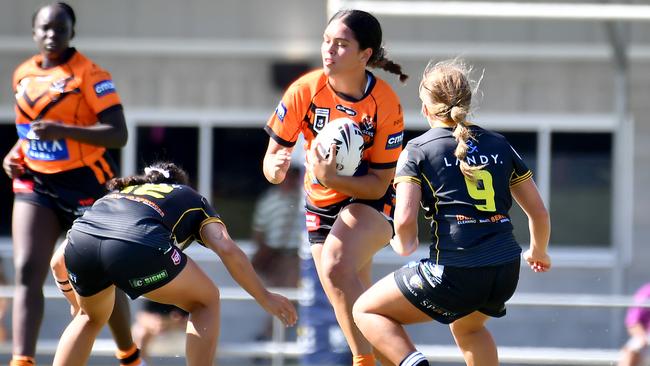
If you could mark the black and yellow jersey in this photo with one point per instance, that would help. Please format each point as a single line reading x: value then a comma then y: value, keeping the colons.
x: 156, y: 215
x: 470, y: 222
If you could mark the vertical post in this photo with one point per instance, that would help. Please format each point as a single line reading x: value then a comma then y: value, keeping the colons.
x: 204, y: 184
x: 622, y: 168
x: 544, y: 163
x: 128, y: 165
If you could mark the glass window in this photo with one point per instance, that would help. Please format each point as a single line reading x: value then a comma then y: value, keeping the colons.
x: 237, y: 176
x: 176, y: 144
x: 581, y: 189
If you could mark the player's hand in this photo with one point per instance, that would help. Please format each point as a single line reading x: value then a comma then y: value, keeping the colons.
x: 538, y: 262
x: 402, y: 248
x: 13, y: 165
x: 279, y: 306
x: 47, y: 130
x: 321, y: 166
x: 277, y: 165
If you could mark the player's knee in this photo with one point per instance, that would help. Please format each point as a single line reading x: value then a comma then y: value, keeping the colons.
x: 359, y: 310
x: 208, y: 298
x: 338, y: 273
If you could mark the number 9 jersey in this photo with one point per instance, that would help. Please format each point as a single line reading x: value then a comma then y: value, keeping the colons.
x: 470, y: 223
x: 155, y: 215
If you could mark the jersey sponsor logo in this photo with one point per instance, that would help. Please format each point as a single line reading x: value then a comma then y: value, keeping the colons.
x: 148, y: 280
x: 473, y: 160
x: 313, y: 221
x: 321, y: 117
x: 281, y: 111
x: 48, y: 150
x: 346, y: 110
x: 104, y: 87
x: 395, y: 140
x: 23, y: 185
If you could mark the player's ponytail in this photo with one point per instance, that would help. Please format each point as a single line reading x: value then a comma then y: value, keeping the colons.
x: 446, y: 92
x: 156, y: 173
x: 367, y: 32
x: 387, y: 65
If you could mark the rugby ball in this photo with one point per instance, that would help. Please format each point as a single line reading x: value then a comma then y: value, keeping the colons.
x: 346, y: 135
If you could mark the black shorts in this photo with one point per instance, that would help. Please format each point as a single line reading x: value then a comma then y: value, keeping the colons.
x: 321, y: 219
x: 449, y: 293
x: 69, y: 194
x: 95, y: 263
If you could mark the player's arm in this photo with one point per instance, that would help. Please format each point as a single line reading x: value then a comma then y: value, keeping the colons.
x: 111, y: 132
x: 370, y: 186
x: 407, y: 205
x: 539, y: 224
x: 276, y: 162
x: 215, y: 236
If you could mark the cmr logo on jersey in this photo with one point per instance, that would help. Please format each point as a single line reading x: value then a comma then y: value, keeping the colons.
x: 104, y: 87
x: 395, y: 140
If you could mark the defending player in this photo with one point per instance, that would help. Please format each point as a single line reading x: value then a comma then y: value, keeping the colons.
x: 133, y: 239
x: 465, y: 178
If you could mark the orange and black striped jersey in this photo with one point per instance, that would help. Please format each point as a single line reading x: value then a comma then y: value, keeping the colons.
x: 73, y: 93
x: 310, y: 103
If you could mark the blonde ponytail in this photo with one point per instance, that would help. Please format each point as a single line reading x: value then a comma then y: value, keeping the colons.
x: 446, y: 92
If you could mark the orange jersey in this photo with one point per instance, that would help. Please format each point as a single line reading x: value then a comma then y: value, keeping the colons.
x: 73, y: 93
x: 310, y: 103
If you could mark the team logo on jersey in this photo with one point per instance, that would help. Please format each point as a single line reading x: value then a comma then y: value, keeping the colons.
x: 104, y: 87
x: 395, y: 140
x: 281, y: 111
x: 471, y: 148
x: 176, y: 257
x: 416, y: 282
x: 346, y: 110
x: 368, y: 128
x: 59, y: 86
x: 321, y: 117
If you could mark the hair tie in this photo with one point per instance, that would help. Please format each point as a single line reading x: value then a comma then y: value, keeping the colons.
x: 162, y: 171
